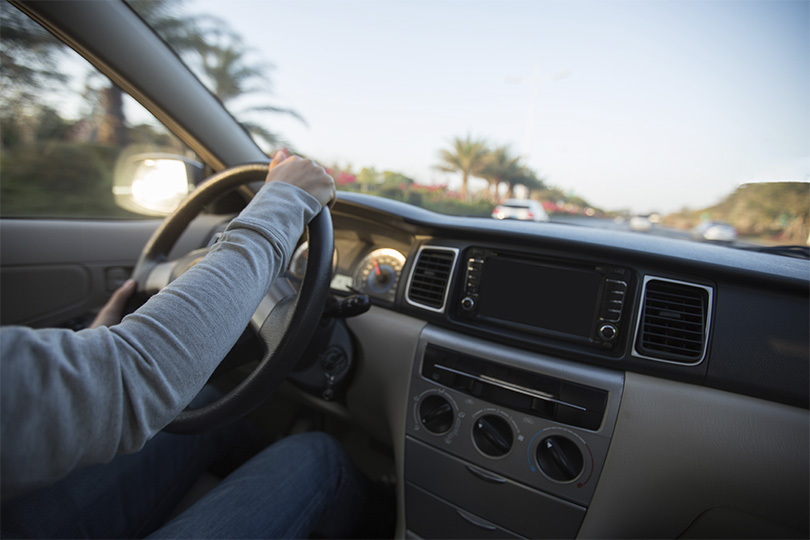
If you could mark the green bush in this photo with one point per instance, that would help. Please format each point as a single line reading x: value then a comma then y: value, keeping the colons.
x: 59, y: 179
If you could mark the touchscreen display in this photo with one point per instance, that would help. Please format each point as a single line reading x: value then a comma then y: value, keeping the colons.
x: 541, y: 296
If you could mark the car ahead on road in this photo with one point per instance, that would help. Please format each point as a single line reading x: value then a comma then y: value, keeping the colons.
x: 522, y: 209
x: 641, y: 223
x: 714, y: 231
x: 510, y: 381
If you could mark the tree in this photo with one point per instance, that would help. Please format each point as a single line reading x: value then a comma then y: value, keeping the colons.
x: 525, y: 177
x: 226, y: 66
x: 368, y: 177
x: 396, y: 179
x: 28, y: 54
x: 219, y: 55
x: 501, y: 166
x: 467, y: 156
x: 28, y: 65
x: 181, y: 32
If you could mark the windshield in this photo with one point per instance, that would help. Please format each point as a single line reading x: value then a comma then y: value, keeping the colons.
x: 680, y: 112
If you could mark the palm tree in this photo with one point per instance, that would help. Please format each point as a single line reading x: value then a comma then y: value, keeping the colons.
x: 501, y: 166
x: 467, y: 156
x: 226, y: 66
x: 180, y: 32
x: 211, y: 45
x: 523, y: 176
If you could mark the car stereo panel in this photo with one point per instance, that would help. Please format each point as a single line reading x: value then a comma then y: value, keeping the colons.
x: 572, y: 301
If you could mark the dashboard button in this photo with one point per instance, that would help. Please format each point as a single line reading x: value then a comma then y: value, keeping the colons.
x: 608, y: 332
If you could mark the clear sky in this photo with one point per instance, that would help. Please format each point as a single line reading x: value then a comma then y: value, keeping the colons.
x: 644, y: 105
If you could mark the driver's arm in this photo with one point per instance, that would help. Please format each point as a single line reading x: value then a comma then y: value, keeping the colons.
x: 71, y: 399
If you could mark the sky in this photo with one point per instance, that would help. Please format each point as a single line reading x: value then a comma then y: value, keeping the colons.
x: 638, y: 105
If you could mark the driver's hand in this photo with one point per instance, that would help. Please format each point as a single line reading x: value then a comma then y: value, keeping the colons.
x: 113, y: 310
x: 303, y: 173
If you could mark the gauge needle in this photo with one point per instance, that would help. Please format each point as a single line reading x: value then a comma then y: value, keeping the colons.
x: 376, y: 266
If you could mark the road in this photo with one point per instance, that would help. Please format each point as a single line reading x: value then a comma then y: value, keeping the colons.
x: 603, y: 223
x: 624, y: 225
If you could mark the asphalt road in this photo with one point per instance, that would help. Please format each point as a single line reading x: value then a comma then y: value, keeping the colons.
x: 624, y: 225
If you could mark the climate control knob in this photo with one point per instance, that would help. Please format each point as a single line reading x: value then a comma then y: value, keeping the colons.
x: 560, y: 458
x: 436, y: 414
x: 493, y: 435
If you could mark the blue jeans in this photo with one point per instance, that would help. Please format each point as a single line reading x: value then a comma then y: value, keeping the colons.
x: 302, y: 485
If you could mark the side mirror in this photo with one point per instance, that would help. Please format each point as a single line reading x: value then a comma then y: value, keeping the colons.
x: 154, y: 184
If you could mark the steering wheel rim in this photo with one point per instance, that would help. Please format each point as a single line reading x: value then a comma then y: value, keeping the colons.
x: 285, y: 333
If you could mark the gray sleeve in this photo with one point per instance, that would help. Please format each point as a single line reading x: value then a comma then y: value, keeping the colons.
x: 70, y: 399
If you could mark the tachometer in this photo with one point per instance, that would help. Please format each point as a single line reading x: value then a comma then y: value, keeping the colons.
x: 378, y: 273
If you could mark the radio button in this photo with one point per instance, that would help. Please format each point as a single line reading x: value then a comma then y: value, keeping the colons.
x: 468, y: 303
x: 608, y: 332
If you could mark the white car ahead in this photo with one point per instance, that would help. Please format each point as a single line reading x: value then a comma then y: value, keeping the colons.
x: 523, y: 209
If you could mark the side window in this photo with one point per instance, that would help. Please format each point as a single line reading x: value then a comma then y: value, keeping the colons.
x: 65, y: 129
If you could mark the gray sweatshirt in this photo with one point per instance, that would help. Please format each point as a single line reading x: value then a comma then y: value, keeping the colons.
x: 70, y: 399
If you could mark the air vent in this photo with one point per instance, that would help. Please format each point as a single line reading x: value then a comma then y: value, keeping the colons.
x: 431, y: 276
x: 673, y: 325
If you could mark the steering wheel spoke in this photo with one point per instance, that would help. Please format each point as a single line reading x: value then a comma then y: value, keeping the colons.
x: 159, y: 276
x: 280, y: 290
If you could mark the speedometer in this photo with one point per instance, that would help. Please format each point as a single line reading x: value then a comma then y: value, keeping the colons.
x: 378, y: 273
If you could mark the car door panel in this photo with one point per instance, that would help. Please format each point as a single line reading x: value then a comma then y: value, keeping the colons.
x: 53, y: 271
x: 56, y: 270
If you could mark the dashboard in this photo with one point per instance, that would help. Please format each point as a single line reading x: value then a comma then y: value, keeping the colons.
x: 672, y: 308
x: 524, y: 347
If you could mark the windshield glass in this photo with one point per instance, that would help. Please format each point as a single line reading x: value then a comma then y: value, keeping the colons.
x: 672, y: 113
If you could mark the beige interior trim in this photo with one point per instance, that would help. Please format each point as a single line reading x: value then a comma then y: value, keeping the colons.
x: 378, y: 395
x: 680, y: 450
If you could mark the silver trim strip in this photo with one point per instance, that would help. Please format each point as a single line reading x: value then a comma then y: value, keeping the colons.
x: 709, y: 291
x: 449, y: 278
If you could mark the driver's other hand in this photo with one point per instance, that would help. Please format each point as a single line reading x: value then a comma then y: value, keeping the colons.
x: 113, y: 310
x: 304, y: 173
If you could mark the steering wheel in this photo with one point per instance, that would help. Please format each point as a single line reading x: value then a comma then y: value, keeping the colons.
x: 284, y: 321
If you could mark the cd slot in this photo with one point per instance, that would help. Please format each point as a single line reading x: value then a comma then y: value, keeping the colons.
x: 514, y: 387
x: 531, y: 393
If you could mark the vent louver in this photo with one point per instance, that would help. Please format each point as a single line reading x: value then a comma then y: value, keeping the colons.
x: 673, y: 323
x: 430, y: 278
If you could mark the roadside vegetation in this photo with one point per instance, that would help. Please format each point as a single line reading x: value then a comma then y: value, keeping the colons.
x: 60, y: 164
x: 505, y: 174
x: 771, y: 213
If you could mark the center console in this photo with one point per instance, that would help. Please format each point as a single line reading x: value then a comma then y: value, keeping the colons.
x: 502, y: 442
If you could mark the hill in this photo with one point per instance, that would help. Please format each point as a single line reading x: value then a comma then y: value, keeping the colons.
x: 775, y: 212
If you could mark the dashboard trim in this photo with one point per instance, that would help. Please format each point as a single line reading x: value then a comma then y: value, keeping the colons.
x: 415, y: 264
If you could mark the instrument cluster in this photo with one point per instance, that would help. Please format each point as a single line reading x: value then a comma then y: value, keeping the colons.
x: 376, y: 273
